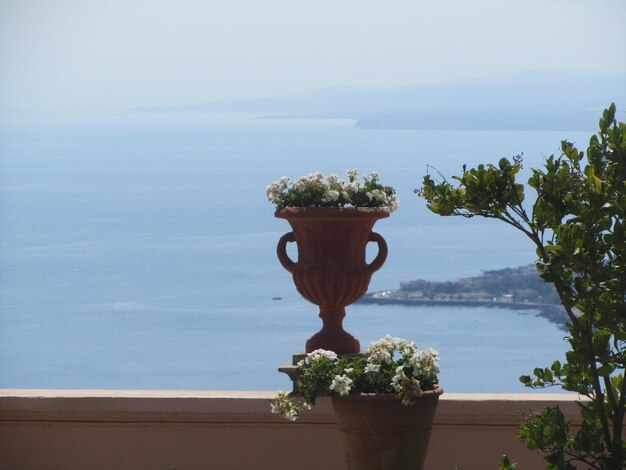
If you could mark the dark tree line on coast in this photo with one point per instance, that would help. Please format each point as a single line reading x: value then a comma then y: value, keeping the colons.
x: 522, y: 284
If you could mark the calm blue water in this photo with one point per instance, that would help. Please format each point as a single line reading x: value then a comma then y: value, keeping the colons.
x: 139, y: 252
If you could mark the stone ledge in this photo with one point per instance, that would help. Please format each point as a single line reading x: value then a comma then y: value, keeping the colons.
x: 221, y: 406
x: 190, y: 429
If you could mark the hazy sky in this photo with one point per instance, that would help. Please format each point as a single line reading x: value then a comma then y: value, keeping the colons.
x: 77, y: 55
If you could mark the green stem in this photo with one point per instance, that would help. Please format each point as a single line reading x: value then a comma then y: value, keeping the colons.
x: 588, y: 351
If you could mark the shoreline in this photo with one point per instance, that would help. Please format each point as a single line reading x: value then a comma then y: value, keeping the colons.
x: 553, y: 313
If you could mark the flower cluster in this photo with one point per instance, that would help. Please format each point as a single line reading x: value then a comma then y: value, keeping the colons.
x: 317, y: 190
x: 390, y: 365
x: 414, y: 370
x: 319, y: 355
x: 287, y: 407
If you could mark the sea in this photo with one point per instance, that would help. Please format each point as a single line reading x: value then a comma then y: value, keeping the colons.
x: 138, y: 251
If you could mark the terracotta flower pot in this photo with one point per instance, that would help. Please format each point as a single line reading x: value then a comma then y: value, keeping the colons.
x: 331, y: 270
x: 379, y: 433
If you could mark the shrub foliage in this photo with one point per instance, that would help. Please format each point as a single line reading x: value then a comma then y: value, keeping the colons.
x: 577, y: 222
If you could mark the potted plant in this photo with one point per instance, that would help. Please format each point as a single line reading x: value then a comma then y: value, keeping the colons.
x: 332, y: 220
x: 385, y: 400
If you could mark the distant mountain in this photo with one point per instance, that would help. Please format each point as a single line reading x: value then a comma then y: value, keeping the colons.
x: 555, y: 101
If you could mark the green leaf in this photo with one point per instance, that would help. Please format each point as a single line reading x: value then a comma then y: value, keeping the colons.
x: 576, y: 224
x: 606, y: 370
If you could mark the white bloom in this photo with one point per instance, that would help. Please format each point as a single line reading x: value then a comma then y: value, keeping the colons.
x: 320, y: 354
x: 379, y: 355
x: 431, y: 352
x: 392, y: 343
x: 379, y: 195
x: 413, y: 360
x: 372, y: 368
x: 428, y: 361
x: 301, y: 184
x: 341, y: 384
x: 332, y: 179
x: 273, y: 191
x: 282, y: 405
x: 381, y: 351
x: 408, y: 388
x: 326, y: 190
x: 277, y: 187
x: 330, y: 196
x: 404, y: 346
x: 393, y: 203
x: 399, y: 377
x: 372, y: 176
x: 352, y: 187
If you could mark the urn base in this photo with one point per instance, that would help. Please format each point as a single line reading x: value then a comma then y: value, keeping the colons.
x: 340, y: 342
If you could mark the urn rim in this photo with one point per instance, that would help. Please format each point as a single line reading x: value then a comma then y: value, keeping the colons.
x: 332, y: 212
x: 434, y: 393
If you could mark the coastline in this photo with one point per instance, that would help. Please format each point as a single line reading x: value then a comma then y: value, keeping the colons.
x: 553, y: 313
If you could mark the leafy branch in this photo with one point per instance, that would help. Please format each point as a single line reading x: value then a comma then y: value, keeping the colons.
x: 577, y: 224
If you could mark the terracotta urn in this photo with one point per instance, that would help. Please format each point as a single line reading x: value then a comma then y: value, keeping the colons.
x: 331, y: 270
x: 379, y: 433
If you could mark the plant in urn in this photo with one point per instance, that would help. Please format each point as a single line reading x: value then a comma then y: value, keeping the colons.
x: 332, y: 221
x: 385, y: 401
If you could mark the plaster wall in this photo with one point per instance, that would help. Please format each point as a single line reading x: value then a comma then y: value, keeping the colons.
x: 185, y: 430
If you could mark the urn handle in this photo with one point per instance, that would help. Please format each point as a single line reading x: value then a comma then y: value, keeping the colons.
x: 281, y: 251
x: 382, y: 251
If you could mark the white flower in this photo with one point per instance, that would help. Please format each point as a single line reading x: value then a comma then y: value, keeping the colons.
x: 393, y: 203
x: 352, y: 187
x: 341, y: 384
x: 379, y: 195
x: 330, y: 190
x: 413, y: 360
x: 273, y: 190
x: 332, y: 179
x: 399, y: 377
x: 300, y: 185
x: 411, y: 369
x: 371, y: 176
x: 408, y: 388
x: 330, y: 196
x: 379, y: 355
x: 318, y: 355
x: 428, y: 361
x: 386, y: 341
x: 277, y: 187
x: 285, y: 407
x: 381, y: 351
